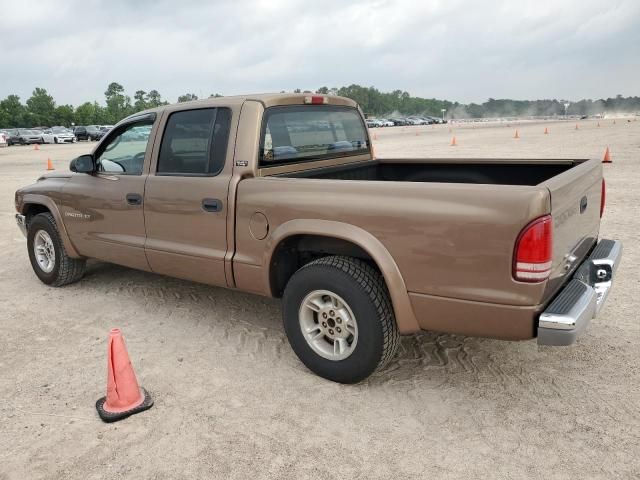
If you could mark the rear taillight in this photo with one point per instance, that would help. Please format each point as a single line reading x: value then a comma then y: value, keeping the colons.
x: 534, y: 251
x: 603, y: 198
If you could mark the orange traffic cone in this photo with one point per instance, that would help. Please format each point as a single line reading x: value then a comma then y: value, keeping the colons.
x: 124, y: 396
x: 607, y: 156
x: 453, y: 141
x: 50, y: 164
x: 516, y: 135
x: 546, y: 131
x: 36, y: 146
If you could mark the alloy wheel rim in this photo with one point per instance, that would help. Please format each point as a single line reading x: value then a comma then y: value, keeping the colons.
x: 328, y: 325
x: 44, y: 251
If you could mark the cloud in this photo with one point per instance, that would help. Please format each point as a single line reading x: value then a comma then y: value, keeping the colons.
x: 458, y: 50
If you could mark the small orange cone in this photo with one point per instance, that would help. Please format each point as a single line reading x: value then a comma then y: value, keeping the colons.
x: 607, y: 156
x: 50, y: 164
x: 453, y: 141
x: 516, y: 135
x: 546, y: 131
x: 577, y: 128
x: 36, y: 146
x: 124, y: 396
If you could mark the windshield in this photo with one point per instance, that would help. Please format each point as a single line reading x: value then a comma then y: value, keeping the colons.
x: 303, y: 133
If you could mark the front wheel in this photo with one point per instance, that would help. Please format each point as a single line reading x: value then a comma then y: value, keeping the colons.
x: 339, y: 319
x: 48, y: 257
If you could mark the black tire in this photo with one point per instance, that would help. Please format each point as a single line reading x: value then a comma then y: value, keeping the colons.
x: 364, y: 290
x: 66, y: 269
x: 55, y: 139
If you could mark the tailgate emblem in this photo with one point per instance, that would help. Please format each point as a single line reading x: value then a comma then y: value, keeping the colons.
x: 583, y: 204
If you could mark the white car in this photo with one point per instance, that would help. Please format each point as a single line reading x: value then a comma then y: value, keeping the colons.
x: 386, y: 123
x: 58, y: 135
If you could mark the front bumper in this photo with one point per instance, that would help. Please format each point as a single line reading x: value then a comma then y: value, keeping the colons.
x: 22, y: 223
x: 568, y: 315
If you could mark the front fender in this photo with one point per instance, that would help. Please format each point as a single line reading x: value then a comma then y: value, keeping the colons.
x: 37, y: 199
x: 405, y: 317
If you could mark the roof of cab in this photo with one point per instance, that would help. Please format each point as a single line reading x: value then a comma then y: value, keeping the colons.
x: 267, y: 99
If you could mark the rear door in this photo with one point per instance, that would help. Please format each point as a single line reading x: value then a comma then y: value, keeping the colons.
x: 186, y: 196
x: 575, y: 208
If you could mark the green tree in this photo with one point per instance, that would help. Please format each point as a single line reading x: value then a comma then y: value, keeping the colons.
x: 85, y: 114
x: 118, y: 104
x: 40, y: 107
x: 140, y: 101
x: 63, y: 115
x: 187, y: 97
x: 154, y: 99
x: 14, y: 112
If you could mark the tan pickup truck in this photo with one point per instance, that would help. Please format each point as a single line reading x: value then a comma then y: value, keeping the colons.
x: 281, y: 195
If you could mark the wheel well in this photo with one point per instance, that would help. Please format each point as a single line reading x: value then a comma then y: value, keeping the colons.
x: 298, y: 250
x: 32, y: 209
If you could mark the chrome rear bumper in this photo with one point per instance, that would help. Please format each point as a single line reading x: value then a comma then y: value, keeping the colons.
x: 581, y: 299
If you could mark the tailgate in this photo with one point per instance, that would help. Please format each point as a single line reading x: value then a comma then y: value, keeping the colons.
x: 575, y: 207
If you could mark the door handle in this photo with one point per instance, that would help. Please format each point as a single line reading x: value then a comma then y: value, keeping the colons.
x: 212, y: 204
x: 134, y: 199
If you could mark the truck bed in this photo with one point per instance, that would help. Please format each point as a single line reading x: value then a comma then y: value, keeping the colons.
x: 489, y: 171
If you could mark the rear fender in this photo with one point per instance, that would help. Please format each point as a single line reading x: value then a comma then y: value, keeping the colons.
x: 405, y: 318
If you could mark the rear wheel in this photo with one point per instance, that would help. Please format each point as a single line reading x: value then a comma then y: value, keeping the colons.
x: 339, y: 319
x: 48, y: 257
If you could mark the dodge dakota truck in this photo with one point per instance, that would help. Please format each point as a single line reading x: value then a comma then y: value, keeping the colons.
x: 281, y: 195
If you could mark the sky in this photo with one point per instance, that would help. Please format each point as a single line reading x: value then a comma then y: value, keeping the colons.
x: 466, y: 51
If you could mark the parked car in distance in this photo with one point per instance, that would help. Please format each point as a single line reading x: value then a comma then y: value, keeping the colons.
x: 399, y: 122
x: 25, y: 136
x: 386, y: 123
x: 4, y: 139
x: 80, y: 133
x: 224, y: 191
x: 58, y: 135
x: 90, y: 132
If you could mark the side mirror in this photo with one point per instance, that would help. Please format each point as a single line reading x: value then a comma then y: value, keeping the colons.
x: 83, y: 164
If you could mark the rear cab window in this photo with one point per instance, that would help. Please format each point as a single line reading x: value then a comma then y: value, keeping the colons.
x: 303, y: 133
x: 195, y: 142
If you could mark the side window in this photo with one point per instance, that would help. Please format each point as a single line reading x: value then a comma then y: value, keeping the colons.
x: 124, y: 151
x: 195, y: 142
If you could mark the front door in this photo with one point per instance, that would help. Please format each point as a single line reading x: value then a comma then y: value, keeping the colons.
x: 185, y: 205
x: 103, y: 212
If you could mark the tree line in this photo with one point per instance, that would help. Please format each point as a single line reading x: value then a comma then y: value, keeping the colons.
x: 41, y: 109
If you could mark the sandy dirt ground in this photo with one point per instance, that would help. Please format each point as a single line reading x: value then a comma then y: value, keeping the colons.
x: 233, y: 401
